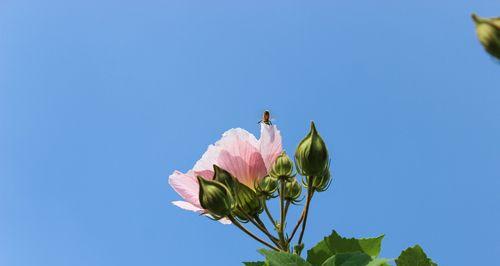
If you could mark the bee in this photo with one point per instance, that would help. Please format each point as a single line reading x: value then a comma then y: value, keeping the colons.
x: 266, y: 118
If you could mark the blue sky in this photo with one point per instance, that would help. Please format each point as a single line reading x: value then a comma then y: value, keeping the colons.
x: 101, y: 100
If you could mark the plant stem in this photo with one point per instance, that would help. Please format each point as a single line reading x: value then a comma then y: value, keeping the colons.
x: 299, y: 222
x: 281, y: 231
x: 258, y: 223
x: 237, y: 224
x: 268, y: 212
x: 310, y: 192
x: 287, y: 205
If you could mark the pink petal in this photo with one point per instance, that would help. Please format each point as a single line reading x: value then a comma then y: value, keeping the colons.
x: 269, y: 144
x: 186, y: 185
x: 190, y: 207
x: 237, y: 152
x: 208, y: 159
x: 244, y: 161
x: 230, y: 136
x: 187, y: 206
x: 225, y: 221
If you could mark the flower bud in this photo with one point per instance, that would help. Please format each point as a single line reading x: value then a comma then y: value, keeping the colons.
x: 322, y: 182
x: 488, y: 32
x: 311, y: 156
x: 266, y: 187
x: 224, y: 177
x: 293, y: 189
x: 215, y: 198
x: 282, y: 167
x: 247, y: 203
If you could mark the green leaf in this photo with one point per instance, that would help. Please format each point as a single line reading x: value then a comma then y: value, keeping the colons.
x: 335, y: 244
x: 254, y: 263
x: 379, y: 262
x: 274, y: 258
x: 414, y: 256
x: 348, y: 259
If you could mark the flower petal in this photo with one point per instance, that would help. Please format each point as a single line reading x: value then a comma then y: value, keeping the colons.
x: 237, y: 152
x: 230, y: 136
x: 225, y: 221
x: 190, y: 207
x: 187, y: 206
x: 269, y: 144
x: 243, y: 161
x: 209, y: 158
x: 186, y: 185
x: 228, y: 141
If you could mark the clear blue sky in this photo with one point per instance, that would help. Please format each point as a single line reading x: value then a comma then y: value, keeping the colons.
x: 101, y: 100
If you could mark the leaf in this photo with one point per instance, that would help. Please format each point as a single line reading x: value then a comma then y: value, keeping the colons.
x: 274, y: 258
x: 348, y: 259
x: 379, y: 262
x: 254, y: 263
x: 414, y: 256
x: 335, y: 244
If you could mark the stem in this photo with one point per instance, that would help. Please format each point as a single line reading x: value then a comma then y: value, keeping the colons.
x: 237, y: 224
x: 268, y: 212
x: 287, y: 205
x: 281, y: 230
x: 296, y: 227
x: 258, y: 223
x: 258, y: 220
x: 310, y: 192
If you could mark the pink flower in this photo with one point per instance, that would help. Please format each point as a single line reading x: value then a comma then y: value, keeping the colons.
x: 239, y: 153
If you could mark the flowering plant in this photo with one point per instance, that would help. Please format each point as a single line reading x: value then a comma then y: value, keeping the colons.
x: 237, y: 176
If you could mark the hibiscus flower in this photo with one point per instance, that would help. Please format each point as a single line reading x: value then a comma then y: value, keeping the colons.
x: 238, y: 152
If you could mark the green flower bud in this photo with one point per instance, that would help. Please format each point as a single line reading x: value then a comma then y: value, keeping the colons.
x: 247, y: 203
x: 322, y: 182
x: 488, y: 32
x: 293, y: 190
x: 282, y: 167
x: 266, y: 187
x: 215, y: 198
x: 311, y: 156
x: 226, y: 178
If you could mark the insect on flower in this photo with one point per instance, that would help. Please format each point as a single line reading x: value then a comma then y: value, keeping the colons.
x: 266, y: 118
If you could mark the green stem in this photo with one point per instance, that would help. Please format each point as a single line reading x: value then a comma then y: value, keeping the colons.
x: 299, y: 222
x: 281, y: 231
x: 310, y: 192
x: 258, y: 223
x: 268, y: 212
x: 237, y: 224
x: 287, y: 205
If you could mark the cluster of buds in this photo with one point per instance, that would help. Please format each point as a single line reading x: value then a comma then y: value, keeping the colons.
x: 488, y: 33
x: 282, y: 171
x: 266, y: 187
x: 225, y: 197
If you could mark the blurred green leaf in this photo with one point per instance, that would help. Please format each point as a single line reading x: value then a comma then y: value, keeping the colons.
x: 414, y: 256
x: 335, y: 244
x: 379, y: 262
x: 274, y: 258
x: 254, y: 263
x: 348, y: 259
